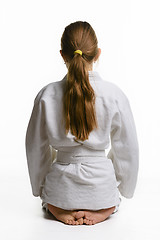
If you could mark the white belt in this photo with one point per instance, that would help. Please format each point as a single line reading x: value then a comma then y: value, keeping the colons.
x: 87, y: 156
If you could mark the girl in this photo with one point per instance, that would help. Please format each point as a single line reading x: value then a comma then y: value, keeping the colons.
x: 79, y: 117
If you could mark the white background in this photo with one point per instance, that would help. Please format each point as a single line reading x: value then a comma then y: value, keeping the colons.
x: 129, y: 36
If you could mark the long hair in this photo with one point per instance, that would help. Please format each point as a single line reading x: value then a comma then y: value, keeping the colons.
x: 79, y: 96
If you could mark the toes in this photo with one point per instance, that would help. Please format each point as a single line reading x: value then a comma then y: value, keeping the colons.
x: 73, y: 222
x: 70, y: 222
x: 80, y: 218
x: 80, y: 221
x: 93, y: 222
x: 89, y: 222
x: 79, y: 214
x: 85, y: 220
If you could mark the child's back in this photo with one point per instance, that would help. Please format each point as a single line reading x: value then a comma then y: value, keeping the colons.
x: 82, y: 177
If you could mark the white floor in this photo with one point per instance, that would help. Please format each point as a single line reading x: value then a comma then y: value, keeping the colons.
x: 23, y: 219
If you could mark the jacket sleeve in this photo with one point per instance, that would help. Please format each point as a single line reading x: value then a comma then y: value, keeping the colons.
x: 37, y: 148
x: 124, y: 151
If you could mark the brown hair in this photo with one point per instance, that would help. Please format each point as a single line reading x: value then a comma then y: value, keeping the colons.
x: 79, y: 97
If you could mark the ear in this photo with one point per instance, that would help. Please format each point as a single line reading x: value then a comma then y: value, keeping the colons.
x: 98, y: 54
x: 62, y: 55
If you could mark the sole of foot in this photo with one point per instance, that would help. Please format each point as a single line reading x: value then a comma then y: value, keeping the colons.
x: 66, y: 216
x: 80, y: 217
x: 93, y: 217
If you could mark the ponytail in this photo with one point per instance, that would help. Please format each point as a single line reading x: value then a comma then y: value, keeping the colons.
x: 79, y: 100
x: 79, y: 96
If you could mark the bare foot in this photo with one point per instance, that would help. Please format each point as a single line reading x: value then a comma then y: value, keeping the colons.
x: 79, y: 217
x: 66, y: 216
x: 93, y: 217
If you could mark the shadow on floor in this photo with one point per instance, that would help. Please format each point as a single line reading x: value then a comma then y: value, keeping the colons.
x: 47, y: 215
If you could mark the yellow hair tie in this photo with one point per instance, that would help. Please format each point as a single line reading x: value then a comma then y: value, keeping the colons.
x: 78, y: 51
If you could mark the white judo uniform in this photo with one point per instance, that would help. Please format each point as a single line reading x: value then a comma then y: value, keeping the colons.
x: 83, y: 176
